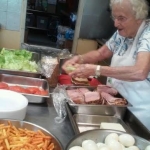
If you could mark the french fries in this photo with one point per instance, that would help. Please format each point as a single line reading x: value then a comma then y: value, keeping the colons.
x: 12, y: 138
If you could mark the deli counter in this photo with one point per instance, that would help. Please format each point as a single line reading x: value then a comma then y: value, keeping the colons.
x: 44, y: 115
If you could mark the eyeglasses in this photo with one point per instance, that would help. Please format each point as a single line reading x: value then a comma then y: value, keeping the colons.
x: 120, y: 18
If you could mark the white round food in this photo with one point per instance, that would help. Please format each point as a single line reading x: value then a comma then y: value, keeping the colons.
x: 148, y: 147
x: 134, y: 148
x: 89, y: 145
x: 111, y: 136
x: 114, y: 145
x: 126, y: 140
x: 13, y: 105
x: 105, y: 148
x: 76, y: 148
x: 100, y: 145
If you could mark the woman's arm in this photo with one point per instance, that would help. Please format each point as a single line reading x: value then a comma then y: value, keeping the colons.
x: 97, y: 55
x: 138, y: 72
x: 90, y: 57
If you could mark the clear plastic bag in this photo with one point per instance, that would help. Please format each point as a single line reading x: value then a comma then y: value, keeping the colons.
x: 59, y: 100
x: 47, y: 65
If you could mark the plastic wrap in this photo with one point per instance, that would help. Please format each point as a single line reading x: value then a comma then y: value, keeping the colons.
x: 42, y: 50
x: 47, y: 65
x: 59, y: 100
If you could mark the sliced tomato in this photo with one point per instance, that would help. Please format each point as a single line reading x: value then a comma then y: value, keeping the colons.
x: 4, y: 85
x: 17, y: 89
x: 44, y: 92
x: 27, y: 91
x: 38, y: 92
x: 33, y: 90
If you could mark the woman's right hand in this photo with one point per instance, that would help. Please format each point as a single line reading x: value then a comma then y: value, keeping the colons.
x: 71, y: 62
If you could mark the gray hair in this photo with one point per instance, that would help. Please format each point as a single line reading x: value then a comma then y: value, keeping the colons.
x: 139, y: 7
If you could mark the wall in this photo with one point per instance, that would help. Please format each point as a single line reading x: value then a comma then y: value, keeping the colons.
x: 96, y: 21
x: 93, y: 21
x: 12, y: 21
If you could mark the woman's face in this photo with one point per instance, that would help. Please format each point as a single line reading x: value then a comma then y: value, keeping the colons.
x: 124, y: 19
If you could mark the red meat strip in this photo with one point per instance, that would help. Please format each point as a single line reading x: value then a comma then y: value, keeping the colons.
x: 111, y: 100
x: 83, y: 90
x: 107, y: 89
x: 76, y: 96
x: 92, y: 98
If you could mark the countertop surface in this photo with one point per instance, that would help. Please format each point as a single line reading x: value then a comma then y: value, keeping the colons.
x: 44, y: 115
x: 143, y: 115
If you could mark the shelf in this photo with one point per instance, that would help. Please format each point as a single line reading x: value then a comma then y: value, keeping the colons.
x: 39, y: 11
x: 35, y: 28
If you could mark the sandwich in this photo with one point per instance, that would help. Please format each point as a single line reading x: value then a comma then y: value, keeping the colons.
x: 80, y: 81
x: 70, y: 68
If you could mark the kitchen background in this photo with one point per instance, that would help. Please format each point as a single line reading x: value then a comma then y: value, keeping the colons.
x: 21, y: 19
x: 36, y: 22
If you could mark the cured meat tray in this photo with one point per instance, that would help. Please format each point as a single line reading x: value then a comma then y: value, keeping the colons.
x: 97, y: 109
x: 26, y: 82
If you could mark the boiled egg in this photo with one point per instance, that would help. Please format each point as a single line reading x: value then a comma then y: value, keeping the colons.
x: 148, y: 147
x: 114, y: 145
x: 76, y: 148
x: 133, y: 148
x: 100, y: 145
x: 122, y: 146
x: 105, y: 148
x: 111, y: 136
x: 126, y: 140
x: 89, y: 145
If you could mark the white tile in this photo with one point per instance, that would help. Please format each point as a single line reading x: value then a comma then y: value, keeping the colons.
x: 3, y: 5
x: 14, y: 5
x: 13, y: 21
x: 3, y: 19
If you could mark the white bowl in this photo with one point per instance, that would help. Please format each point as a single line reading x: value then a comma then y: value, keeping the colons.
x: 13, y: 105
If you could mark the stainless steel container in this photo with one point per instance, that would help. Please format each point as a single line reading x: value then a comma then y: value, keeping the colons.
x: 35, y: 57
x: 98, y: 135
x: 27, y: 82
x: 106, y: 110
x: 90, y: 122
x: 33, y: 127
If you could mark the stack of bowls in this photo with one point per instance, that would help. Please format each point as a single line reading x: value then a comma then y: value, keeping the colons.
x: 13, y: 105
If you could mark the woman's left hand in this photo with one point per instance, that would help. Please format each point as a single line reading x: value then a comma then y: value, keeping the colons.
x: 83, y: 70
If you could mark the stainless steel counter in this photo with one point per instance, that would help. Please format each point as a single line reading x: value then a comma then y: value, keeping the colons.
x: 43, y: 115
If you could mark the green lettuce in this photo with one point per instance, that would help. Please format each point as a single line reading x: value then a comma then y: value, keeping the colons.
x: 17, y: 60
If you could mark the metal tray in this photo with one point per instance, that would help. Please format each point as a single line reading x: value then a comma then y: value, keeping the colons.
x: 27, y: 82
x: 90, y: 122
x: 108, y: 110
x: 130, y: 122
x: 98, y: 135
x: 35, y: 57
x: 34, y: 127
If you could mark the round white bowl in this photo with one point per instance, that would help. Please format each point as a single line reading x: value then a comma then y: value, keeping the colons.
x: 13, y: 105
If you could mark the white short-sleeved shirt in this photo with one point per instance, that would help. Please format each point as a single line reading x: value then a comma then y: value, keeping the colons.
x: 117, y: 40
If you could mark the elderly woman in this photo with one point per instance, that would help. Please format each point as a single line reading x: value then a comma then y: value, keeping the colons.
x: 129, y: 48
